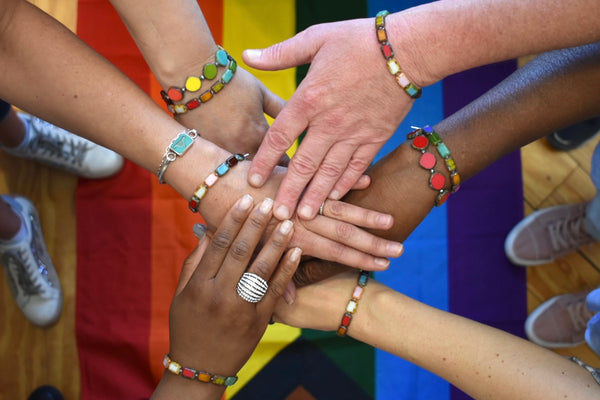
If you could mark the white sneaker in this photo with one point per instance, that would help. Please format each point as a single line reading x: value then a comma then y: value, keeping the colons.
x: 51, y: 145
x: 31, y: 276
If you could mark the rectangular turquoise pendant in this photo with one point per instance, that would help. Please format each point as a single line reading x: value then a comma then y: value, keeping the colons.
x: 181, y: 143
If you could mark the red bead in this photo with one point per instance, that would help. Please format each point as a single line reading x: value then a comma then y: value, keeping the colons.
x: 437, y: 181
x: 420, y: 142
x: 194, y: 205
x: 188, y: 373
x: 175, y: 94
x: 427, y: 160
x: 441, y: 198
x: 346, y: 319
x: 387, y: 51
x: 192, y: 104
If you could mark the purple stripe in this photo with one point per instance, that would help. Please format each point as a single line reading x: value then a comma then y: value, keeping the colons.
x: 483, y: 284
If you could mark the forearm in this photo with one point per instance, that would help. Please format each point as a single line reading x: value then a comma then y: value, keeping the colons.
x: 437, y: 39
x: 480, y: 360
x: 172, y: 387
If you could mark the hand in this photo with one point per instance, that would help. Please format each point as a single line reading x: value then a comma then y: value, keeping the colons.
x: 349, y: 105
x: 211, y: 327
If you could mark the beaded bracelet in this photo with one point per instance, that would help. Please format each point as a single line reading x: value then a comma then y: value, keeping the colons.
x: 388, y: 53
x: 182, y: 142
x: 201, y: 376
x: 444, y: 152
x: 363, y: 277
x: 211, y: 179
x: 194, y: 83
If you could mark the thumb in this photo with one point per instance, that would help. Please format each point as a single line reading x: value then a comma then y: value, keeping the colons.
x: 295, y: 51
x: 272, y: 104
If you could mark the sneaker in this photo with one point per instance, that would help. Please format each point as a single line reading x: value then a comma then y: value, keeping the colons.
x: 574, y: 136
x: 547, y: 234
x: 31, y: 276
x: 560, y: 321
x: 51, y: 145
x: 46, y: 392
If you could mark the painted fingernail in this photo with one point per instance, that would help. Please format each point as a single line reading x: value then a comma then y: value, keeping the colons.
x: 286, y: 226
x: 382, y: 262
x: 395, y: 248
x: 305, y: 212
x: 252, y: 54
x: 335, y: 195
x: 245, y: 202
x: 282, y: 212
x: 266, y: 206
x: 256, y: 180
x: 199, y: 230
x: 295, y: 254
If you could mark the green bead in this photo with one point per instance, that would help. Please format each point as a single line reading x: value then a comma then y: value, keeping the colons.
x: 413, y: 91
x: 443, y: 150
x: 210, y: 71
x: 230, y: 380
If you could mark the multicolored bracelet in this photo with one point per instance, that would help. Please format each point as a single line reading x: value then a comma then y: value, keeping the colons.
x: 420, y: 139
x: 388, y: 53
x: 211, y: 179
x: 182, y: 142
x: 201, y: 376
x: 363, y: 278
x: 194, y: 84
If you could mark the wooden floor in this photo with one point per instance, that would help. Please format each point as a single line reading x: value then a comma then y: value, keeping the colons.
x: 33, y: 357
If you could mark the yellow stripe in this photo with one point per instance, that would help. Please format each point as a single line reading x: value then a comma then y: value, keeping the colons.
x: 255, y: 25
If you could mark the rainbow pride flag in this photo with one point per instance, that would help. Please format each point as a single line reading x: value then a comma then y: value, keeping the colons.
x: 133, y: 235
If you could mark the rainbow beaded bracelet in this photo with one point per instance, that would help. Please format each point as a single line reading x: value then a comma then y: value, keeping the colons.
x: 363, y: 278
x: 194, y: 84
x: 211, y: 179
x: 192, y: 374
x: 388, y: 53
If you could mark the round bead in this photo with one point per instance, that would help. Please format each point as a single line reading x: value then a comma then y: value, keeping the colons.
x: 420, y: 142
x: 427, y: 160
x: 221, y: 57
x: 193, y: 83
x: 175, y: 94
x: 437, y: 181
x: 210, y: 71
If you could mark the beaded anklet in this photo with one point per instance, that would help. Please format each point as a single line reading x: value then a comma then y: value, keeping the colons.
x: 211, y: 179
x: 388, y: 53
x: 201, y: 376
x: 363, y: 278
x: 182, y: 142
x: 194, y: 84
x: 420, y: 139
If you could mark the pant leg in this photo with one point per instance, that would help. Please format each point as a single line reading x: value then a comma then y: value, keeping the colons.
x: 4, y: 109
x: 592, y: 219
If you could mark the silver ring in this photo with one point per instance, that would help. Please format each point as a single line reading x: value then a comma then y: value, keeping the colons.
x: 252, y: 287
x: 321, y: 208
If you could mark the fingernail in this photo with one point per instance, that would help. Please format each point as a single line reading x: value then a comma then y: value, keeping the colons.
x: 199, y: 230
x: 396, y: 248
x: 266, y: 206
x: 245, y: 202
x: 384, y: 220
x: 286, y: 226
x: 335, y: 195
x: 282, y: 212
x: 287, y: 296
x: 306, y: 212
x: 252, y: 54
x: 256, y: 180
x: 382, y: 262
x: 295, y: 254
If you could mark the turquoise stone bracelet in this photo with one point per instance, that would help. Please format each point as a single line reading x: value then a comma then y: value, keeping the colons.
x: 182, y: 142
x: 393, y: 66
x: 194, y: 84
x: 192, y: 374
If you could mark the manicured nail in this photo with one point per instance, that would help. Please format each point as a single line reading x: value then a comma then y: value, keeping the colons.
x: 253, y: 54
x: 335, y: 195
x: 396, y: 248
x: 266, y: 206
x: 256, y: 180
x: 384, y: 220
x: 199, y: 231
x: 282, y: 212
x: 382, y: 262
x: 295, y: 254
x: 286, y: 226
x: 306, y: 212
x: 245, y: 202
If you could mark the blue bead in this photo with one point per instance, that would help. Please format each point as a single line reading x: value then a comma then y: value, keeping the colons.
x: 221, y: 57
x: 222, y: 169
x: 227, y: 75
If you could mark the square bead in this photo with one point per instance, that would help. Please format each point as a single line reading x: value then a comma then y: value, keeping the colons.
x: 204, y: 377
x: 455, y: 178
x: 218, y: 380
x: 166, y: 361
x: 216, y: 88
x: 194, y: 103
x: 222, y: 169
x: 230, y: 380
x: 201, y: 191
x: 387, y: 51
x: 379, y: 21
x: 188, y: 373
x: 342, y: 330
x: 358, y: 291
x: 227, y: 75
x: 174, y: 367
x: 363, y: 278
x: 393, y: 66
x: 211, y: 179
x: 179, y: 109
x: 382, y: 35
x: 346, y: 319
x: 233, y: 65
x: 232, y: 161
x: 193, y: 204
x: 413, y: 91
x: 451, y: 164
x: 181, y: 143
x: 402, y: 80
x: 435, y: 138
x: 444, y: 151
x: 351, y: 307
x: 206, y: 96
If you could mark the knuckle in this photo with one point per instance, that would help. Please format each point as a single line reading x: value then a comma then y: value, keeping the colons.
x: 240, y: 249
x: 303, y: 165
x: 276, y: 289
x: 277, y: 140
x: 358, y: 164
x: 336, y: 209
x: 344, y: 231
x: 261, y: 268
x: 220, y: 241
x: 330, y: 170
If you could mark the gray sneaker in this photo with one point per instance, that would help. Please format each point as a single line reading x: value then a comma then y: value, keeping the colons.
x: 547, y: 234
x: 31, y: 276
x: 51, y: 145
x: 560, y: 321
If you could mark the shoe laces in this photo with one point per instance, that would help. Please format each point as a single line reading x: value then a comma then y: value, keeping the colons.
x: 47, y: 141
x: 568, y: 233
x: 579, y: 314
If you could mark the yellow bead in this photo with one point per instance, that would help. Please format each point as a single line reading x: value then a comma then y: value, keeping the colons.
x: 193, y: 83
